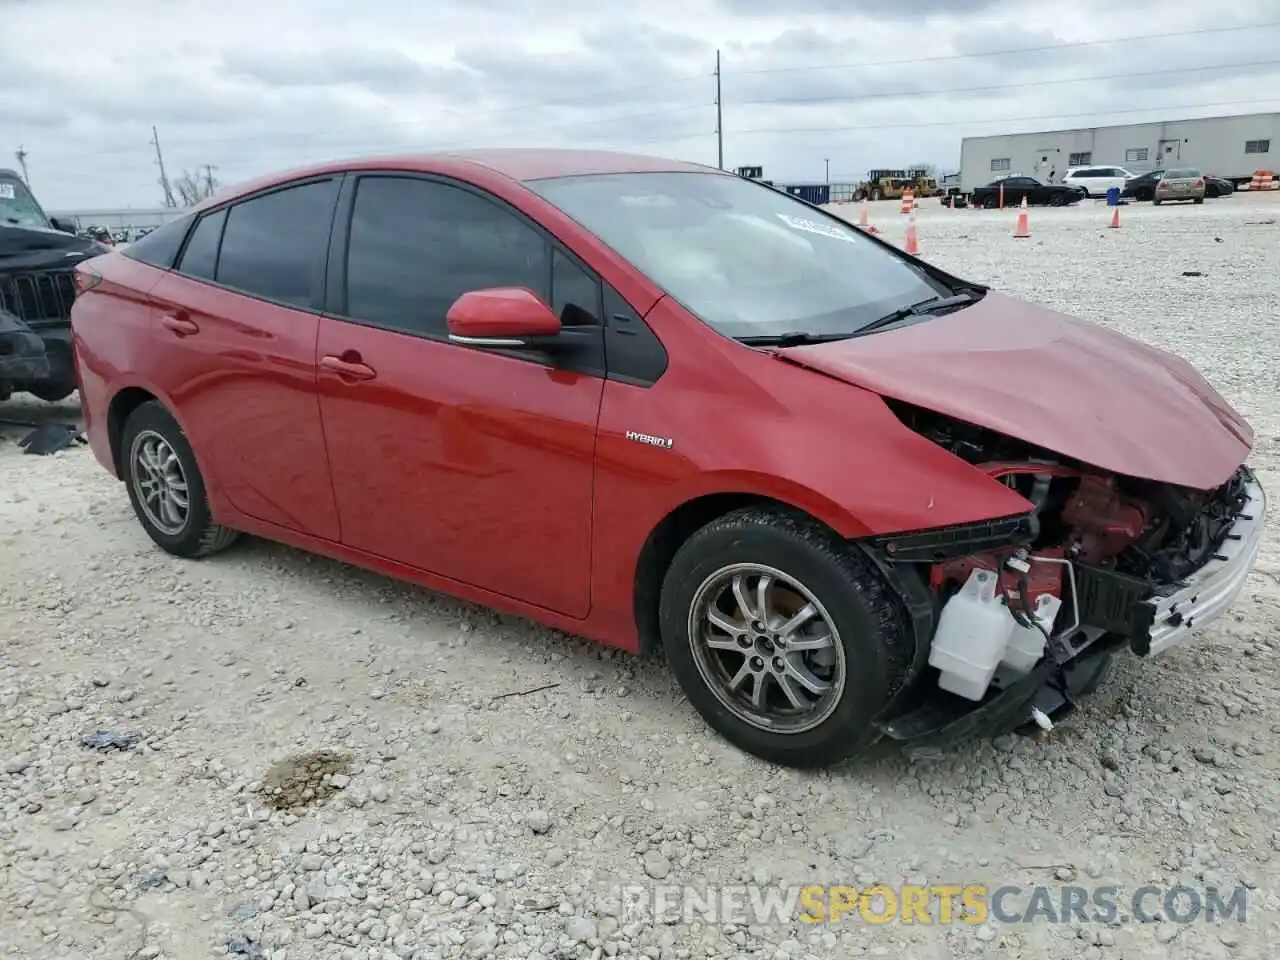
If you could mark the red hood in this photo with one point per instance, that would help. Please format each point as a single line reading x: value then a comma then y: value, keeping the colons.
x: 1066, y: 385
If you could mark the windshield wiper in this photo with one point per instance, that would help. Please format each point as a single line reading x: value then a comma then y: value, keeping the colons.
x: 794, y: 338
x: 924, y: 308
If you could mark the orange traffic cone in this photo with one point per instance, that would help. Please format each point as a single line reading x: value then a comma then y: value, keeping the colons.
x: 1115, y: 218
x: 1022, y: 230
x: 913, y: 242
x: 864, y: 221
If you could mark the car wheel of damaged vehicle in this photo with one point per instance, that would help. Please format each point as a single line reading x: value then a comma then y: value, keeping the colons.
x: 785, y: 639
x: 165, y: 486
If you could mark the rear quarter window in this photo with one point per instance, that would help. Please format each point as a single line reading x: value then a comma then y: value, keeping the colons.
x: 160, y: 247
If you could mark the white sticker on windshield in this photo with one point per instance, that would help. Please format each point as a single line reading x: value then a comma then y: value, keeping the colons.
x: 6, y: 191
x: 821, y: 229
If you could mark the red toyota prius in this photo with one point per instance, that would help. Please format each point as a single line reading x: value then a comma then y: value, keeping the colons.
x: 847, y: 494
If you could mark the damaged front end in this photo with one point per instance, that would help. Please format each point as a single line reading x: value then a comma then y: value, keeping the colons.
x: 1014, y: 617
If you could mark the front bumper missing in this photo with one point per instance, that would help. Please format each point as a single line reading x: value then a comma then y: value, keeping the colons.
x: 1210, y: 591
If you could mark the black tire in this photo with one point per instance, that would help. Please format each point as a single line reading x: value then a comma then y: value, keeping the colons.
x: 1085, y: 678
x: 991, y: 203
x: 868, y: 619
x: 1197, y: 200
x: 1057, y: 199
x: 198, y: 535
x: 51, y: 391
x: 877, y: 194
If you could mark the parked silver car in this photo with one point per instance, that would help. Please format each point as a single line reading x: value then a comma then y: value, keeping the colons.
x: 1183, y: 183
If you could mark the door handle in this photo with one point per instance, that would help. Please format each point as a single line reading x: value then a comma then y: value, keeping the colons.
x: 348, y: 369
x: 179, y: 325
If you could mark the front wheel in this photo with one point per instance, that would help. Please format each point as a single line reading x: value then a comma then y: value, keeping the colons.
x: 786, y: 640
x: 1057, y: 200
x: 165, y: 485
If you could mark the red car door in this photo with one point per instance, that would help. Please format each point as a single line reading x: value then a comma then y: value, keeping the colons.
x: 470, y: 464
x: 235, y: 333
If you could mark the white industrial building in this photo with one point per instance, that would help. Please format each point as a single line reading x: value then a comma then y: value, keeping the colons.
x: 1231, y: 147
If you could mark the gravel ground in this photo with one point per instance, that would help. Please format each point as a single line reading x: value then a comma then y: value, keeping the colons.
x: 334, y: 765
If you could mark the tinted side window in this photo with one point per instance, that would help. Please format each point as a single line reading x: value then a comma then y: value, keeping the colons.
x: 575, y: 294
x: 200, y: 259
x: 160, y: 247
x: 415, y: 246
x: 274, y: 245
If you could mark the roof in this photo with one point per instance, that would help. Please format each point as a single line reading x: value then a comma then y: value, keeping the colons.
x: 520, y: 163
x: 510, y: 163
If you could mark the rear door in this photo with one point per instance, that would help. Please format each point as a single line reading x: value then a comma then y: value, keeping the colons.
x: 236, y: 327
x: 473, y: 463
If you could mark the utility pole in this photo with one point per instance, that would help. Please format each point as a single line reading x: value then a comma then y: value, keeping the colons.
x: 164, y: 178
x: 719, y: 118
x: 21, y: 155
x: 827, y: 161
x: 208, y: 179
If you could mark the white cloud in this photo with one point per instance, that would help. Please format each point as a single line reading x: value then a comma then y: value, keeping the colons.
x: 252, y: 87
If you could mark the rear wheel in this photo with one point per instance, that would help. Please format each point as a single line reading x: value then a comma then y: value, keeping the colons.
x: 991, y: 203
x: 1056, y: 200
x: 165, y: 485
x: 788, y: 642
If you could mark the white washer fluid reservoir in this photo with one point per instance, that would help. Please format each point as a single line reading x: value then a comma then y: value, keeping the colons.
x: 972, y: 636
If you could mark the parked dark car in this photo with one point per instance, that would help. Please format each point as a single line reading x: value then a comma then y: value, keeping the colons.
x: 1143, y: 186
x: 1037, y: 193
x: 37, y: 287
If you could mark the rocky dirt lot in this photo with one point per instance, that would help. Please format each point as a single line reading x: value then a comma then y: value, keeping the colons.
x: 310, y: 761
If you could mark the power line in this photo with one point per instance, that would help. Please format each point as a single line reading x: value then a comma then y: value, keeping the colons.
x: 836, y: 98
x: 365, y: 148
x: 972, y: 121
x: 1044, y: 48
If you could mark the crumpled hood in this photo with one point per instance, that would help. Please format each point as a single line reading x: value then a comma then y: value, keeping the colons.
x: 1066, y: 385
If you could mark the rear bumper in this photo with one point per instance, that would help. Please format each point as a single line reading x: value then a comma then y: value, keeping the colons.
x: 1210, y: 591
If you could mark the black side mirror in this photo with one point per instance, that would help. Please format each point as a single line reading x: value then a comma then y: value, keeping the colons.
x: 59, y: 223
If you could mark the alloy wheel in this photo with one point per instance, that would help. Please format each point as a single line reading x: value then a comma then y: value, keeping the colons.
x: 160, y: 483
x: 767, y: 648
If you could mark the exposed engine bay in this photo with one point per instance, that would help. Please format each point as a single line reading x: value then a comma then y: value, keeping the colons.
x: 1078, y: 570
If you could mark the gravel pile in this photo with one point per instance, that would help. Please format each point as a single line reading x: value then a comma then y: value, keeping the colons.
x: 269, y: 755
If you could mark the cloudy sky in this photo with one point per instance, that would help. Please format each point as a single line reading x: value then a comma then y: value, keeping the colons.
x: 252, y: 86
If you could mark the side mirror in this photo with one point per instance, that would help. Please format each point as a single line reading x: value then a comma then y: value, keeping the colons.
x: 501, y: 317
x: 59, y: 223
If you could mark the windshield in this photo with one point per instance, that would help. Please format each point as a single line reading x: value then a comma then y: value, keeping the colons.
x: 748, y: 260
x: 17, y: 205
